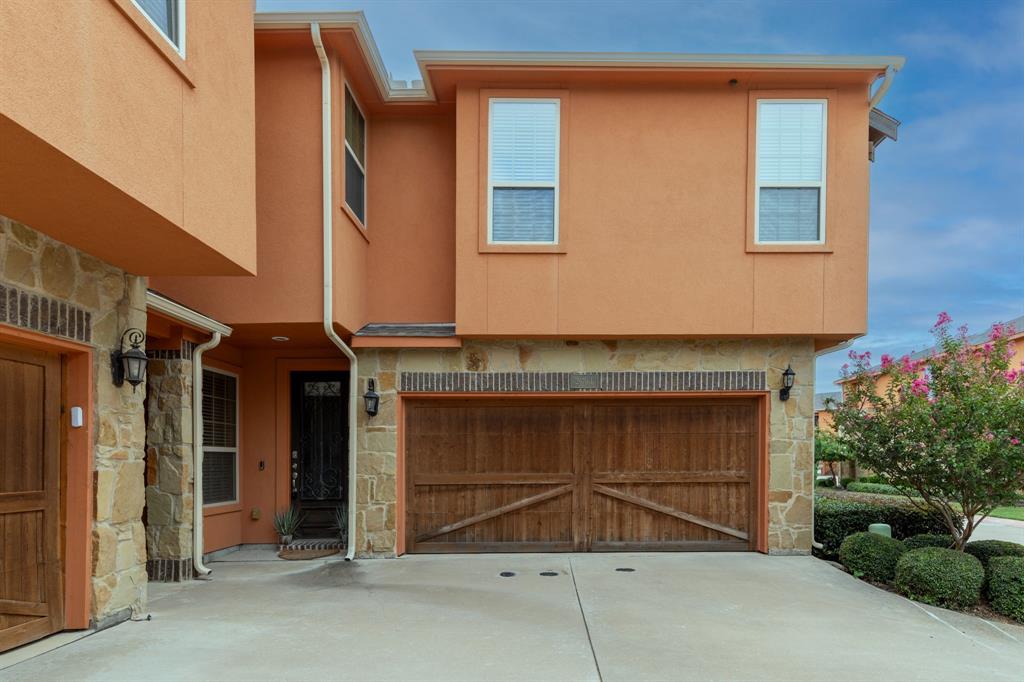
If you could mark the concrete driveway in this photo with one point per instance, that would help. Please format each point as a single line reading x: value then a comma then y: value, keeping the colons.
x: 674, y: 617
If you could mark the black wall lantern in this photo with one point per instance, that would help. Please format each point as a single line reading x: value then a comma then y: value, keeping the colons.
x: 130, y: 364
x: 787, y: 382
x: 371, y: 399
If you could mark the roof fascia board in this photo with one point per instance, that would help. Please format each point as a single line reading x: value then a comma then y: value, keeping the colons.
x: 172, y: 309
x: 356, y: 22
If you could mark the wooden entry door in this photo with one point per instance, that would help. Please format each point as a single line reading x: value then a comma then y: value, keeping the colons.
x: 319, y: 404
x: 581, y: 475
x: 31, y: 585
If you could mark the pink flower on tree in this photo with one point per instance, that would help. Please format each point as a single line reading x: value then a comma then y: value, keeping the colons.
x: 943, y: 320
x: 887, y: 361
x: 919, y: 387
x: 1012, y: 375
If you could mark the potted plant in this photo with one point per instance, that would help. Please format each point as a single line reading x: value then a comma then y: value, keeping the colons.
x: 285, y: 523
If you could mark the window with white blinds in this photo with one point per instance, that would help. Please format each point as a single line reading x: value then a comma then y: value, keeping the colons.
x: 791, y: 165
x: 355, y: 158
x: 220, y: 437
x: 169, y: 17
x: 522, y: 179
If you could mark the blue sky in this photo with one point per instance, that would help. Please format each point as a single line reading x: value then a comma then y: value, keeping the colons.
x: 947, y: 201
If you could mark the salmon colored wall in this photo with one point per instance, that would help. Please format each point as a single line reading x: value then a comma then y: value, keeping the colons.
x: 657, y: 214
x: 411, y: 267
x: 92, y: 107
x: 264, y: 418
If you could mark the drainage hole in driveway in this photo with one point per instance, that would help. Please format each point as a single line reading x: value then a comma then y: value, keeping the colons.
x: 507, y: 574
x: 548, y: 573
x: 625, y: 570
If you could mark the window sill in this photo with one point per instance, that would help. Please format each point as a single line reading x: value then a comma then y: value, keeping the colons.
x: 221, y: 508
x: 157, y: 40
x: 522, y: 248
x: 356, y: 222
x: 789, y: 248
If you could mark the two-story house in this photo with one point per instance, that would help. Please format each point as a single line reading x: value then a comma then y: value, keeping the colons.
x: 533, y: 302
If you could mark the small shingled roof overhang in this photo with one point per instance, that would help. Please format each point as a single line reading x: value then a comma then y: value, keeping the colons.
x: 881, y: 127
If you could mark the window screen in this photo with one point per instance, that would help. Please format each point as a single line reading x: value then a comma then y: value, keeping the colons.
x: 355, y: 158
x: 790, y: 171
x: 523, y: 171
x: 220, y: 437
x: 163, y: 13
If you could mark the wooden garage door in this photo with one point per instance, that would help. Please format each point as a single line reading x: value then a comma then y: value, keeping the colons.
x: 31, y: 600
x: 583, y: 475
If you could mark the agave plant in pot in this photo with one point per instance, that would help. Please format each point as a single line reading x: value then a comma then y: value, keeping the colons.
x: 286, y: 523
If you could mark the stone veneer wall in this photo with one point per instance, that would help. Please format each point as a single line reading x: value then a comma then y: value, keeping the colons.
x: 169, y: 464
x: 49, y: 287
x: 791, y: 438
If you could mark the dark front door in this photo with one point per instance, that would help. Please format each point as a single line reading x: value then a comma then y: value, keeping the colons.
x: 319, y: 450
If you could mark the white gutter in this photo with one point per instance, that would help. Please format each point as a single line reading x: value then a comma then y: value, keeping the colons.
x: 353, y: 373
x: 197, y: 453
x: 425, y: 59
x: 890, y: 73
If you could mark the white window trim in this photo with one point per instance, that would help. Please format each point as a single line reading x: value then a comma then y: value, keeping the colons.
x: 490, y: 163
x: 180, y: 49
x: 236, y: 450
x: 820, y: 185
x: 348, y: 150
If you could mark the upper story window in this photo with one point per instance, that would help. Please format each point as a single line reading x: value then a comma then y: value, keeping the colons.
x: 355, y: 158
x: 169, y: 17
x: 220, y: 437
x: 522, y: 177
x: 789, y: 200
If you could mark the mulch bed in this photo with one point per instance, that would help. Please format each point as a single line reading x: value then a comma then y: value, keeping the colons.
x: 304, y: 554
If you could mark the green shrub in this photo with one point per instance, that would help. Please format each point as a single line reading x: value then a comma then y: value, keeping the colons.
x: 826, y: 483
x: 928, y: 540
x: 871, y: 556
x: 846, y: 481
x: 985, y: 550
x: 834, y: 519
x: 1006, y: 586
x: 873, y: 488
x: 874, y: 478
x: 944, y: 577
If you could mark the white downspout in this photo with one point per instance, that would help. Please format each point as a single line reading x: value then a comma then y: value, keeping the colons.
x: 876, y: 99
x: 197, y: 453
x: 353, y: 374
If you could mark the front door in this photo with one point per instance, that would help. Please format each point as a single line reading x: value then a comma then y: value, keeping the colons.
x: 31, y: 587
x: 319, y: 455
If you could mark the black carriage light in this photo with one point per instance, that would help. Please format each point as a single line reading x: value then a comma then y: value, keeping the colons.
x: 371, y: 399
x: 787, y: 382
x: 129, y: 364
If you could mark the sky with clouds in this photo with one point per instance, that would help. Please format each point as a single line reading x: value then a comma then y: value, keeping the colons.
x: 947, y: 200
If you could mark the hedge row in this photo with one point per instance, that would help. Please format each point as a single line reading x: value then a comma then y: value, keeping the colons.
x: 873, y: 488
x: 835, y: 519
x: 944, y: 577
x: 1006, y: 585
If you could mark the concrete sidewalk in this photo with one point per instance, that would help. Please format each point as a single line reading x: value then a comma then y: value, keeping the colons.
x: 675, y: 616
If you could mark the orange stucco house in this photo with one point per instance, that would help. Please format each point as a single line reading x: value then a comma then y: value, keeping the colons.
x: 531, y: 302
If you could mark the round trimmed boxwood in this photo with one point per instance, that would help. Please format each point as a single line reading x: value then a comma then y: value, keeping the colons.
x: 928, y: 540
x: 943, y: 577
x: 871, y: 556
x: 1006, y: 586
x: 985, y: 550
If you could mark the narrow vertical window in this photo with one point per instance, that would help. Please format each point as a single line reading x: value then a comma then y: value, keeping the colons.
x: 169, y: 17
x: 220, y: 437
x: 522, y: 185
x: 790, y: 193
x: 355, y: 158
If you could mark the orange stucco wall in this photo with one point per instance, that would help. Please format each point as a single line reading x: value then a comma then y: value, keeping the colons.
x: 117, y: 146
x: 264, y: 436
x: 655, y: 199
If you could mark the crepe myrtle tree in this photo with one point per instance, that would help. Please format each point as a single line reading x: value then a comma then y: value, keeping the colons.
x: 828, y: 449
x: 947, y: 429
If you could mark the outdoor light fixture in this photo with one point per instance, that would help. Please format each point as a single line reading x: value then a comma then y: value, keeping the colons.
x: 371, y: 399
x: 787, y: 383
x: 129, y: 364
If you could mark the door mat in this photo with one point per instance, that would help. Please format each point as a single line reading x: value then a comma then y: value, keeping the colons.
x: 303, y: 554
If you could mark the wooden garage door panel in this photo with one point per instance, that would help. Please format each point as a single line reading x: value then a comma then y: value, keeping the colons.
x: 31, y: 596
x: 580, y: 474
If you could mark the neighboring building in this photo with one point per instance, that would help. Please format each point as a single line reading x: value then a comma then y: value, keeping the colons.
x: 822, y: 415
x: 573, y: 281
